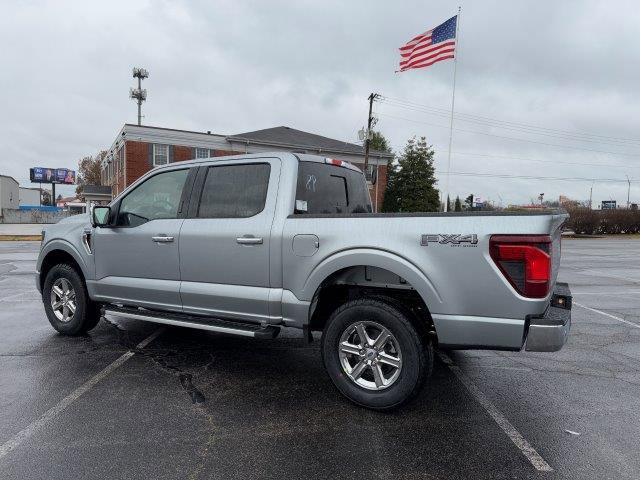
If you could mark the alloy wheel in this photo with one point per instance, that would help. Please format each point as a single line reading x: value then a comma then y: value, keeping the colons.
x: 370, y: 355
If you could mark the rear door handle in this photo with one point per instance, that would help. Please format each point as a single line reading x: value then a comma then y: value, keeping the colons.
x: 249, y: 240
x: 162, y: 239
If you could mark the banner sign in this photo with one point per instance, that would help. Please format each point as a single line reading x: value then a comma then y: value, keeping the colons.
x: 52, y: 175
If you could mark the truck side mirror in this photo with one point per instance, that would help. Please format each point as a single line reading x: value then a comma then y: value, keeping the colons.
x: 100, y: 216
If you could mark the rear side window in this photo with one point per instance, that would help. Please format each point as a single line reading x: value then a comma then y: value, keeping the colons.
x: 324, y: 188
x: 234, y: 191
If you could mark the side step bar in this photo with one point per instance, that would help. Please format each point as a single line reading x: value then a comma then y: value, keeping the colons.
x: 192, y: 321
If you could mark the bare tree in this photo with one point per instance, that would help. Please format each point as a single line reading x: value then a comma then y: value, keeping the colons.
x: 90, y: 171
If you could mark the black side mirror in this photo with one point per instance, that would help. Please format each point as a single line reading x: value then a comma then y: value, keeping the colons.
x: 100, y: 216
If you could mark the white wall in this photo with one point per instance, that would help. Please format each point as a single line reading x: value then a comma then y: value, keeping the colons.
x: 9, y: 194
x: 29, y: 196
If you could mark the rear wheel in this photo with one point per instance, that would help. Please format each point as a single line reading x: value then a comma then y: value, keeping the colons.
x: 68, y: 307
x: 374, y: 354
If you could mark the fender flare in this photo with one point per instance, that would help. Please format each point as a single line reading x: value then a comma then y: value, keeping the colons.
x: 373, y: 258
x: 67, y: 247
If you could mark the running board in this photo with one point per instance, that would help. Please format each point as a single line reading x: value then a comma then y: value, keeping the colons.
x: 192, y: 321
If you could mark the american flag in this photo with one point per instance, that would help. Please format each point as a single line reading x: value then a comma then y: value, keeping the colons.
x: 430, y: 47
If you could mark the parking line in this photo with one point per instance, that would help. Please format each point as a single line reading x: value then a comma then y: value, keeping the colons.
x: 626, y: 292
x: 36, y: 425
x: 607, y: 315
x: 519, y: 441
x: 14, y: 296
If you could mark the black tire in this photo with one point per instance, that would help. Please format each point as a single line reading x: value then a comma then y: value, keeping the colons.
x: 415, y: 347
x: 87, y: 313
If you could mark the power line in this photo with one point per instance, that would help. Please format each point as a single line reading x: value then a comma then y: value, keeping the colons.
x: 517, y: 126
x: 400, y: 148
x: 555, y: 162
x: 529, y: 131
x: 514, y: 138
x: 535, y: 177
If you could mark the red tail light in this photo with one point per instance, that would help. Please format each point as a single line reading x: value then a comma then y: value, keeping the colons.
x: 525, y: 261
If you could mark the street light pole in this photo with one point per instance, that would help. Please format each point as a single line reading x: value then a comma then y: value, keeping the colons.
x: 628, y: 191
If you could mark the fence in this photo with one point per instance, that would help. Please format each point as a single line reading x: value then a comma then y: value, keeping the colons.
x: 10, y: 215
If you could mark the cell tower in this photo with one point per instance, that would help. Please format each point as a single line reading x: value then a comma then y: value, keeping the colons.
x: 139, y: 94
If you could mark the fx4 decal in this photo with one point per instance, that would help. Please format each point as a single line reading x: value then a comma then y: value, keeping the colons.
x: 456, y: 239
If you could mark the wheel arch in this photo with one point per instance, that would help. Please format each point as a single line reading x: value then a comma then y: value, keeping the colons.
x: 367, y: 272
x: 58, y: 252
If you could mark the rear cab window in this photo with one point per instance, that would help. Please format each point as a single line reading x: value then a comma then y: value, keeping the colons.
x: 329, y: 189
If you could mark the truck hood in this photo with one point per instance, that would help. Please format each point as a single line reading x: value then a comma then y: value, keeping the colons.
x: 68, y: 228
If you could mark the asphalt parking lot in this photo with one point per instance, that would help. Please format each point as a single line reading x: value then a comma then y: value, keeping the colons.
x: 189, y: 404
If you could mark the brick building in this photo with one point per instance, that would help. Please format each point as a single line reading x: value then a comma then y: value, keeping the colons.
x: 137, y: 149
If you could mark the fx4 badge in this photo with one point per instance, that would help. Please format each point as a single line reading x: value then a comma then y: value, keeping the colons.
x: 455, y: 240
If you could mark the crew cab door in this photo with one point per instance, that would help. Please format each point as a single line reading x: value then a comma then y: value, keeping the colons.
x: 137, y: 258
x: 225, y: 241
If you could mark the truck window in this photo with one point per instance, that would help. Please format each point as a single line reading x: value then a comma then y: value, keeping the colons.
x: 234, y: 191
x: 324, y: 188
x: 156, y: 198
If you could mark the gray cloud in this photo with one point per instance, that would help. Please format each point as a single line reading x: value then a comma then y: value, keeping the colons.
x: 231, y: 66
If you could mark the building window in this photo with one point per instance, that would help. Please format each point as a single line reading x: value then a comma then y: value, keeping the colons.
x: 372, y: 170
x: 160, y: 154
x: 202, y: 152
x: 121, y: 160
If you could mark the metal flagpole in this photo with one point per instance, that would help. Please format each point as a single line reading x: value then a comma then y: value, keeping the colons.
x: 453, y: 103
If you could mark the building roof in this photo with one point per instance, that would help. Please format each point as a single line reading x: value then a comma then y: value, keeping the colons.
x: 96, y: 190
x: 68, y: 200
x: 291, y: 137
x: 10, y: 178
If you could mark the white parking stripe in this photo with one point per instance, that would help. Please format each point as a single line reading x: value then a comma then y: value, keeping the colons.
x: 33, y: 427
x: 519, y: 441
x: 607, y: 315
x: 13, y: 297
x: 608, y: 293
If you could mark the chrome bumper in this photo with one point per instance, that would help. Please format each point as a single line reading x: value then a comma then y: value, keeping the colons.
x: 549, y: 333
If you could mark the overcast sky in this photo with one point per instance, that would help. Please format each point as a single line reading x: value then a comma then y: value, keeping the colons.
x: 235, y: 66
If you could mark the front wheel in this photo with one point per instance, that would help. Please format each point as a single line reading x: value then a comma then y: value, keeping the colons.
x: 374, y: 355
x: 68, y: 307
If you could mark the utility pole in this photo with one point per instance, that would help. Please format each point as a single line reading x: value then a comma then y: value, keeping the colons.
x: 591, y: 195
x: 628, y: 191
x: 367, y: 141
x: 139, y: 94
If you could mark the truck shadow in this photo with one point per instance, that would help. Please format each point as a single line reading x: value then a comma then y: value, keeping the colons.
x: 275, y: 409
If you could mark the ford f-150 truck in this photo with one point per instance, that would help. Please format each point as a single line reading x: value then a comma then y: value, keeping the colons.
x: 248, y: 244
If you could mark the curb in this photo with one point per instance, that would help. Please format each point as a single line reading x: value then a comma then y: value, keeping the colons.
x: 20, y: 238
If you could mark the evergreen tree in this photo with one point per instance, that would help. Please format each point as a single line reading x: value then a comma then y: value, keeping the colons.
x: 458, y: 207
x: 411, y: 182
x: 469, y: 202
x: 379, y: 143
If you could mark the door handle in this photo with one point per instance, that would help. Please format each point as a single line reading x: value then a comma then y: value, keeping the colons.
x: 162, y: 239
x: 249, y: 240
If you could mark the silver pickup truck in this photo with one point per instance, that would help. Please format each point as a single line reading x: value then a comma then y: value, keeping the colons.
x: 246, y: 245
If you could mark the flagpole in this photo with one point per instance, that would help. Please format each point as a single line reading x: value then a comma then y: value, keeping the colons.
x: 453, y: 103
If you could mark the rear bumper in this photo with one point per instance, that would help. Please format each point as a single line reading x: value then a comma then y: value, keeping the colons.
x: 549, y: 332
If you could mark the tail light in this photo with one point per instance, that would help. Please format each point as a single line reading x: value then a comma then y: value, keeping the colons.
x: 525, y: 261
